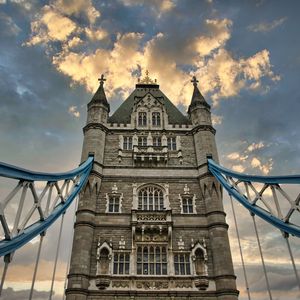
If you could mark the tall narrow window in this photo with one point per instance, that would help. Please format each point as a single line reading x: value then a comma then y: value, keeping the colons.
x: 156, y: 141
x: 182, y: 264
x: 142, y: 141
x: 121, y: 263
x: 127, y: 143
x: 114, y: 204
x: 172, y: 143
x: 152, y: 260
x: 142, y: 119
x: 155, y: 119
x: 187, y: 205
x: 151, y: 198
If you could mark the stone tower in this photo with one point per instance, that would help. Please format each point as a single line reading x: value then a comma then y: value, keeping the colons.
x: 150, y: 222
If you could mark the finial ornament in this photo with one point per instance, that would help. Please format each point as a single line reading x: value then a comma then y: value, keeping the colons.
x: 101, y: 79
x: 147, y: 79
x: 194, y: 81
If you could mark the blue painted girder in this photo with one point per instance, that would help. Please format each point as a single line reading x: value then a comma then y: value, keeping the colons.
x: 219, y: 173
x: 9, y: 246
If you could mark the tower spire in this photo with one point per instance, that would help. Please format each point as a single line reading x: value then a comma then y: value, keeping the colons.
x: 99, y: 96
x: 197, y: 98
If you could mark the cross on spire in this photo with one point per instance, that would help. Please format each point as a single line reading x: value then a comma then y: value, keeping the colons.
x: 194, y: 81
x: 101, y: 80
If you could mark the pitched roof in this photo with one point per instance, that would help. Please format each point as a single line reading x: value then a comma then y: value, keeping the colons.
x: 123, y: 113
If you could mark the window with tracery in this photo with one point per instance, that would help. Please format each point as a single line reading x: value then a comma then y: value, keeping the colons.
x: 182, y: 264
x: 172, y: 143
x: 152, y: 260
x: 114, y: 204
x: 142, y: 119
x: 156, y: 141
x: 127, y: 143
x: 155, y: 119
x: 187, y: 205
x: 142, y: 141
x: 121, y: 263
x: 151, y: 198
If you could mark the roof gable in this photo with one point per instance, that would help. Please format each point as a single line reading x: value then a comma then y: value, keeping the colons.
x: 123, y: 113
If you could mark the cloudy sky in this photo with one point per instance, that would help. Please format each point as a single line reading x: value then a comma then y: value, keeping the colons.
x: 245, y: 54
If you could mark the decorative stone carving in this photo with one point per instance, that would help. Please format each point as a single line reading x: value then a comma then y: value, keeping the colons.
x: 120, y: 284
x: 152, y: 285
x: 180, y: 243
x: 201, y: 283
x: 186, y: 189
x: 151, y: 217
x: 183, y: 284
x: 114, y: 189
x: 122, y: 243
x: 102, y: 282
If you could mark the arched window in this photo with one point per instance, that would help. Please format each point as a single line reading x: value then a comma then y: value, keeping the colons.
x: 199, y: 262
x: 104, y: 261
x: 152, y: 260
x: 151, y: 198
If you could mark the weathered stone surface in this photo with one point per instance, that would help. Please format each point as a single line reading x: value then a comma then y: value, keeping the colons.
x: 184, y: 172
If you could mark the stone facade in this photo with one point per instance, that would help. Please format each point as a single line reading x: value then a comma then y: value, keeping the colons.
x: 150, y: 222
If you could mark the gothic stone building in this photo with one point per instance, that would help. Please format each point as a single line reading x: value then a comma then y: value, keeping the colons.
x: 150, y: 223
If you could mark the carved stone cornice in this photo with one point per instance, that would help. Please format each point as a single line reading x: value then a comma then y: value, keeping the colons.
x: 203, y: 128
x: 95, y: 126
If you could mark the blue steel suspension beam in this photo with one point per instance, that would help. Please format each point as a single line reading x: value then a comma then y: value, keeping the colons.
x: 9, y: 245
x: 222, y: 174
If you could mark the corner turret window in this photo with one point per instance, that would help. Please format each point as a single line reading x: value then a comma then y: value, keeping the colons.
x: 187, y: 205
x: 172, y: 143
x: 156, y: 119
x: 151, y: 198
x: 142, y: 119
x: 114, y: 204
x: 182, y: 264
x: 127, y: 143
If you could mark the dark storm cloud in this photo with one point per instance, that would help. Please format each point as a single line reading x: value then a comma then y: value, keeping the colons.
x: 34, y: 107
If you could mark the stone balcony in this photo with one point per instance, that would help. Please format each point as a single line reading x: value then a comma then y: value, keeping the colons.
x: 150, y: 153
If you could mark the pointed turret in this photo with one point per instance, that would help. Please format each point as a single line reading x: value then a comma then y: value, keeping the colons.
x: 199, y: 109
x: 197, y: 98
x: 98, y: 107
x: 100, y: 96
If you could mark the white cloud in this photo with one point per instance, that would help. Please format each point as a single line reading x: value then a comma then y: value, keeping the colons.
x: 77, y: 7
x: 266, y: 27
x: 51, y: 26
x: 162, y: 5
x: 219, y: 33
x: 73, y: 111
x: 238, y: 168
x: 94, y: 35
x: 216, y: 120
x: 221, y: 75
x: 255, y: 146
